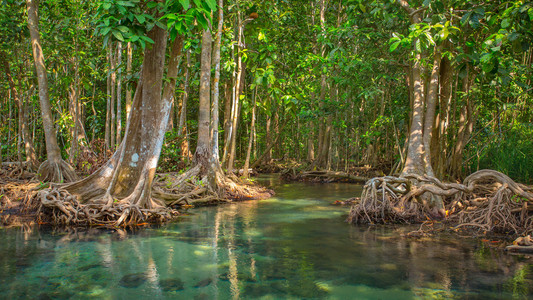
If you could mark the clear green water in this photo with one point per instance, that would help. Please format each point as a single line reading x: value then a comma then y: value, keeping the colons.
x: 293, y: 246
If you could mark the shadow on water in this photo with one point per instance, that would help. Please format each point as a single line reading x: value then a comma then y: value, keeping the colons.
x: 293, y: 246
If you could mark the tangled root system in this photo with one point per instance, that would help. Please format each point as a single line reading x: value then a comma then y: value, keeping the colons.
x: 58, y: 207
x: 56, y: 171
x: 194, y: 188
x: 487, y: 201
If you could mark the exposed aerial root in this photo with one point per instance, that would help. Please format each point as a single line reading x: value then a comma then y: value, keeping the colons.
x: 195, y: 188
x: 56, y: 171
x: 487, y: 201
x: 383, y: 201
x: 58, y: 207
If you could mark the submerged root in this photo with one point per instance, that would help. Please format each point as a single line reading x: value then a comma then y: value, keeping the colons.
x: 58, y: 207
x: 56, y: 171
x: 487, y: 201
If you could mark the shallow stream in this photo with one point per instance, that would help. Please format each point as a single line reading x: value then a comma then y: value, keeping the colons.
x: 295, y: 245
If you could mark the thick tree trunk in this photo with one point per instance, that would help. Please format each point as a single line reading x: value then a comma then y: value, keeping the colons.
x: 54, y: 168
x: 431, y: 107
x: 201, y: 156
x: 123, y: 186
x: 414, y: 163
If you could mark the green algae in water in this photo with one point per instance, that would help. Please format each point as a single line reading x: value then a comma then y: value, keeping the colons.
x: 294, y: 246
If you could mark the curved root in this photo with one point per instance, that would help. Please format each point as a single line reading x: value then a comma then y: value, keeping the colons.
x: 487, y: 201
x: 58, y: 207
x: 195, y: 188
x: 56, y: 171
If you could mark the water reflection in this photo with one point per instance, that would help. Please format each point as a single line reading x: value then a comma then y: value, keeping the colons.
x: 293, y: 246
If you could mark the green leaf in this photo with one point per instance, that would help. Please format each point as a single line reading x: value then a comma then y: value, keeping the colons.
x: 140, y: 18
x: 394, y: 45
x: 118, y: 35
x: 106, y: 5
x: 149, y: 40
x: 125, y: 3
x: 506, y: 23
x: 123, y: 29
x: 212, y: 4
x: 185, y: 4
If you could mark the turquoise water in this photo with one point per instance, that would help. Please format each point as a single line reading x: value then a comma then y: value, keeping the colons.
x: 293, y: 246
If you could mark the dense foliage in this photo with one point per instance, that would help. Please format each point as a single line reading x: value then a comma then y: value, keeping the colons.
x: 332, y: 91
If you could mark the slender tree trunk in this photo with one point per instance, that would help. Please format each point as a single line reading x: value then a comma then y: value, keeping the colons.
x: 216, y: 81
x: 227, y: 119
x: 75, y: 113
x: 119, y: 93
x: 31, y: 156
x: 182, y: 128
x: 113, y: 96
x: 108, y: 103
x: 237, y: 88
x: 252, y: 130
x: 128, y: 86
x: 54, y: 169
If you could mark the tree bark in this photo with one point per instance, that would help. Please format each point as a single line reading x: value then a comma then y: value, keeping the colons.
x: 201, y: 156
x: 119, y: 93
x: 125, y: 181
x: 252, y: 130
x: 182, y: 128
x: 128, y: 85
x: 431, y: 107
x: 216, y: 81
x: 54, y: 169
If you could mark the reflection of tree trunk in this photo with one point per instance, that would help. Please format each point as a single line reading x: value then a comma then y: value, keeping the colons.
x: 54, y: 169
